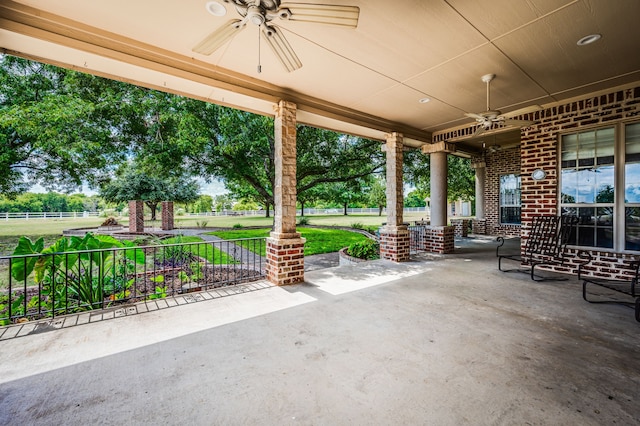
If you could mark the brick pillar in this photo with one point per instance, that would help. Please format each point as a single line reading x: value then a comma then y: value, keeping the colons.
x: 394, y: 236
x: 136, y: 216
x: 167, y: 215
x: 285, y: 247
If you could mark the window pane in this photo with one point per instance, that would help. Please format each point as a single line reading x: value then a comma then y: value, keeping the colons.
x: 632, y: 228
x: 569, y: 180
x: 510, y: 199
x: 605, y: 145
x: 632, y: 183
x: 586, y: 186
x: 604, y: 184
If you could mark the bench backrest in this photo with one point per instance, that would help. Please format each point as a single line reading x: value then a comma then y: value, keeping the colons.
x: 549, y: 235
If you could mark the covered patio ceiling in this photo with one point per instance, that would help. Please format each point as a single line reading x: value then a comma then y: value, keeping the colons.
x: 366, y: 81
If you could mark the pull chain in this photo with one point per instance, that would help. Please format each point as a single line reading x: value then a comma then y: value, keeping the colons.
x: 259, y: 66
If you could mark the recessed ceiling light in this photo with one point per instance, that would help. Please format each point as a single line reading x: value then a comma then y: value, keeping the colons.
x: 424, y: 100
x: 215, y: 8
x: 591, y: 38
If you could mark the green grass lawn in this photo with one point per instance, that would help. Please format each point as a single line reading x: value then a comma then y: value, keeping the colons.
x: 319, y: 240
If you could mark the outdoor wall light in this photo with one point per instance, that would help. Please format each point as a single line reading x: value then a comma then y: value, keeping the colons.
x: 538, y: 174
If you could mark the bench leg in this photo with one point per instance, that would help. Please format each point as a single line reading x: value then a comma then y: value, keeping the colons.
x: 638, y: 309
x: 539, y: 278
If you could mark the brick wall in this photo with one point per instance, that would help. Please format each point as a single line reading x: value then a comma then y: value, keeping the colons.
x: 539, y: 149
x: 502, y: 162
x: 167, y: 215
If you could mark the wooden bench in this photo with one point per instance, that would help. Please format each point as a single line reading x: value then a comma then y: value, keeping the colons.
x: 546, y: 245
x: 626, y: 284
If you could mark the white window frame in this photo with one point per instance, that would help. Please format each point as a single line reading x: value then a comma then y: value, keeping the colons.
x: 501, y: 205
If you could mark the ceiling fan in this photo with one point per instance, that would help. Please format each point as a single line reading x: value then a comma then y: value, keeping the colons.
x: 486, y: 120
x: 262, y: 12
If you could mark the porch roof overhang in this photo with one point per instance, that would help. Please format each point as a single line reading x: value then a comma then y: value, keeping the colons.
x: 365, y: 81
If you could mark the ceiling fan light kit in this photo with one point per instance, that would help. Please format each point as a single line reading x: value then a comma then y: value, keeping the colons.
x: 262, y: 12
x: 490, y: 118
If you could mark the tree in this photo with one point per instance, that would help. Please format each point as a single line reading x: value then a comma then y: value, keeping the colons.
x: 378, y: 194
x: 415, y: 199
x: 460, y: 176
x: 56, y: 126
x: 239, y: 148
x: 134, y: 184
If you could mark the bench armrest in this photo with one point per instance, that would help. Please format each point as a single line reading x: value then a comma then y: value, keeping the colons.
x: 500, y: 240
x: 586, y: 259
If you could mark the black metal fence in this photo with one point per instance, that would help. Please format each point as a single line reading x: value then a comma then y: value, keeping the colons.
x: 50, y: 284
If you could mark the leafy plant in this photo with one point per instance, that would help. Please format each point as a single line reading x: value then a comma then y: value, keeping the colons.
x: 201, y: 224
x: 77, y: 273
x: 357, y: 225
x: 303, y: 220
x: 237, y: 226
x: 367, y: 249
x: 160, y: 293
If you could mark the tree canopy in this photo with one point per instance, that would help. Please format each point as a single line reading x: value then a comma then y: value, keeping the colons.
x: 133, y: 183
x: 56, y: 126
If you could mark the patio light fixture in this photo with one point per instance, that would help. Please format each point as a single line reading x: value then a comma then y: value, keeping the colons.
x: 591, y: 38
x: 215, y: 8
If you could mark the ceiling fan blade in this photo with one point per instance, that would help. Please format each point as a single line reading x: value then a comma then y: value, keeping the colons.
x: 281, y: 48
x: 213, y: 41
x: 346, y: 16
x: 474, y: 116
x: 517, y: 123
x: 480, y: 130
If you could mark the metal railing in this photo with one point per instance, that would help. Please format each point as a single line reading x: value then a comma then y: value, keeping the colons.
x: 48, y: 285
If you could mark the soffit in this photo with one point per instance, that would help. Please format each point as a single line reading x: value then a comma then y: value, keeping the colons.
x: 370, y: 77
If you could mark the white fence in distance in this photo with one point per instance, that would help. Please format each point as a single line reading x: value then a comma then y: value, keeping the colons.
x: 307, y: 211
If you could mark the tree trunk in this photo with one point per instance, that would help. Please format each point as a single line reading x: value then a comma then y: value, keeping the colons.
x: 267, y: 211
x: 380, y: 210
x: 345, y: 208
x: 153, y: 205
x: 301, y: 208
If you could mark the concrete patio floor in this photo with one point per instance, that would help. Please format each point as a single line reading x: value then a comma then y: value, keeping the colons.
x: 444, y: 340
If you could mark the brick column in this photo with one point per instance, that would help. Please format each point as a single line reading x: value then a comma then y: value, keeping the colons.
x: 285, y: 247
x: 394, y: 236
x: 136, y: 216
x: 167, y: 215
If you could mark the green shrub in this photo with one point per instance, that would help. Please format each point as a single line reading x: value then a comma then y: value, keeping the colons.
x: 357, y: 225
x: 367, y: 249
x: 303, y: 220
x: 201, y: 224
x: 237, y: 226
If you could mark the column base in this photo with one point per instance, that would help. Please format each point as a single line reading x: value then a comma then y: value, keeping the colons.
x: 285, y: 260
x: 461, y: 227
x: 439, y: 239
x: 479, y: 226
x: 394, y: 243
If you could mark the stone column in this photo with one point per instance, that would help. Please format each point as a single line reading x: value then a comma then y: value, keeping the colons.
x: 136, y: 216
x: 479, y: 224
x: 285, y: 247
x: 167, y: 215
x: 394, y: 236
